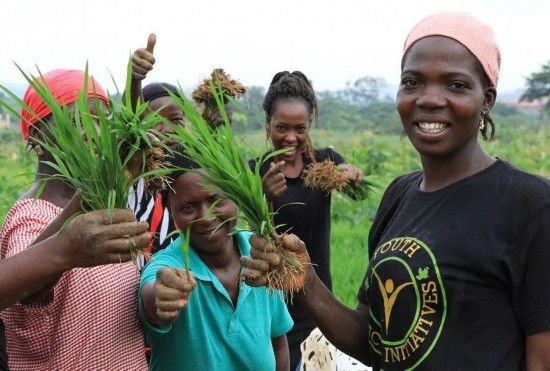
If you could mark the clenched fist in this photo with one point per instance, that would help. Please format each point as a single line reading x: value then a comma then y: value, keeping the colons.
x: 172, y: 290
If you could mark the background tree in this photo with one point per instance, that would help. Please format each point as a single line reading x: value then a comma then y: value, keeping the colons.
x: 538, y: 86
x: 248, y: 113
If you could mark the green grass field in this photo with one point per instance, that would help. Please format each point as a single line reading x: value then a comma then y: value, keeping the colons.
x: 384, y: 157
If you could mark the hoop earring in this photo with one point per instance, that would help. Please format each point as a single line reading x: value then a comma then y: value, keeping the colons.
x: 482, y: 122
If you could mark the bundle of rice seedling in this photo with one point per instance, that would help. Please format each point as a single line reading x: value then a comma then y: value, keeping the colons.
x: 203, y: 95
x: 328, y: 176
x: 227, y: 173
x: 101, y: 155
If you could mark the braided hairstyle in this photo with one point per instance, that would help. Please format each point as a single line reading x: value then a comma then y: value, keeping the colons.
x: 292, y: 86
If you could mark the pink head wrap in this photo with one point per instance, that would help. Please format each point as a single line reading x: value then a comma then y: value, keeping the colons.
x: 65, y: 85
x: 467, y: 30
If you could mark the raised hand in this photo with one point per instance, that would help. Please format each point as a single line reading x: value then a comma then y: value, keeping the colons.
x: 92, y: 239
x: 274, y: 182
x: 143, y: 59
x: 172, y: 289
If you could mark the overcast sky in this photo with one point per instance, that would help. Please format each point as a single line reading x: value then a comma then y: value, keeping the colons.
x: 330, y: 41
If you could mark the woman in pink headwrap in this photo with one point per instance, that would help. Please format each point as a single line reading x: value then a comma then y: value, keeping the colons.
x: 76, y: 287
x: 458, y: 275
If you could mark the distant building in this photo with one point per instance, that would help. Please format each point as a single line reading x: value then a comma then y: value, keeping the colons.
x: 5, y: 121
x: 537, y: 104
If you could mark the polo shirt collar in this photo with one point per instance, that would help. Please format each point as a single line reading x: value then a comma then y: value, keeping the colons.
x: 199, y: 269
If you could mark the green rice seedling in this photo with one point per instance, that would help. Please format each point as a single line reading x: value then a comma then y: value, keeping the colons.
x: 185, y: 243
x: 226, y: 172
x: 101, y: 155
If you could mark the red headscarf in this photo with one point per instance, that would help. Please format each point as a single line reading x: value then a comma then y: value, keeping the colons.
x: 65, y: 85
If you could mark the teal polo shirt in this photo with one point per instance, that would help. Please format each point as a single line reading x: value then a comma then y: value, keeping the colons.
x: 210, y: 333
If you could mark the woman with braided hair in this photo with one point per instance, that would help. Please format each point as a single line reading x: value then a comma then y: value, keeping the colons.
x: 291, y: 109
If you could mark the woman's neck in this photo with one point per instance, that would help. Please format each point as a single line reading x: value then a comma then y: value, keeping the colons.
x: 224, y: 258
x: 442, y: 172
x: 293, y: 169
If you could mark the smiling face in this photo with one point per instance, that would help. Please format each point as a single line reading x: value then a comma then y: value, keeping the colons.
x: 289, y: 128
x: 191, y: 206
x: 441, y: 97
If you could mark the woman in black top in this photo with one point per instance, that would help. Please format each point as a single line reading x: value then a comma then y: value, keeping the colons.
x: 291, y: 108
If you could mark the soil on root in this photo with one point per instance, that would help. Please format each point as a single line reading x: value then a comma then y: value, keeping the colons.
x: 230, y: 87
x: 288, y: 276
x: 155, y: 159
x: 325, y: 175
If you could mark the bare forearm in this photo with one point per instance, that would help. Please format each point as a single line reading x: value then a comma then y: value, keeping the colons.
x: 136, y: 93
x: 282, y: 356
x: 538, y: 351
x: 71, y: 209
x: 345, y: 328
x: 26, y: 273
x: 46, y: 285
x: 149, y: 306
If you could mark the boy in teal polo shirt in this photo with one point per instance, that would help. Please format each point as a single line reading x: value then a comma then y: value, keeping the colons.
x: 208, y: 320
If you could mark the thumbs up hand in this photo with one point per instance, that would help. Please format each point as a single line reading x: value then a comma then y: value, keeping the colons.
x: 143, y: 59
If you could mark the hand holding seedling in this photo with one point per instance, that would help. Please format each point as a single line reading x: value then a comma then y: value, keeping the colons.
x: 353, y: 173
x: 264, y: 257
x: 274, y: 182
x: 172, y: 289
x: 143, y: 59
x: 95, y: 239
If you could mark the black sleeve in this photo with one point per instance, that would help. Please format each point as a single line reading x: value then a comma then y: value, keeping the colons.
x: 532, y: 293
x: 329, y: 154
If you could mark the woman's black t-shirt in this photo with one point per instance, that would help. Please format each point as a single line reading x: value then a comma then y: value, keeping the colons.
x: 459, y: 277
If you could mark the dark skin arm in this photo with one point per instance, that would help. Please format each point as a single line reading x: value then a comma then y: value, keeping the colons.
x: 282, y: 356
x: 26, y: 272
x: 344, y: 327
x: 537, y: 349
x: 88, y: 240
x: 46, y: 284
x: 142, y: 62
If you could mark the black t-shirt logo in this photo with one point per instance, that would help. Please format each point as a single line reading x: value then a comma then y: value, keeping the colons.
x: 407, y: 303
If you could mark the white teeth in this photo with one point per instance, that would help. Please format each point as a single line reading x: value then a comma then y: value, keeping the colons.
x: 432, y: 127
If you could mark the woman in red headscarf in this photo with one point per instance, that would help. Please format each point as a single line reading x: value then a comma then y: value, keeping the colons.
x: 76, y: 288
